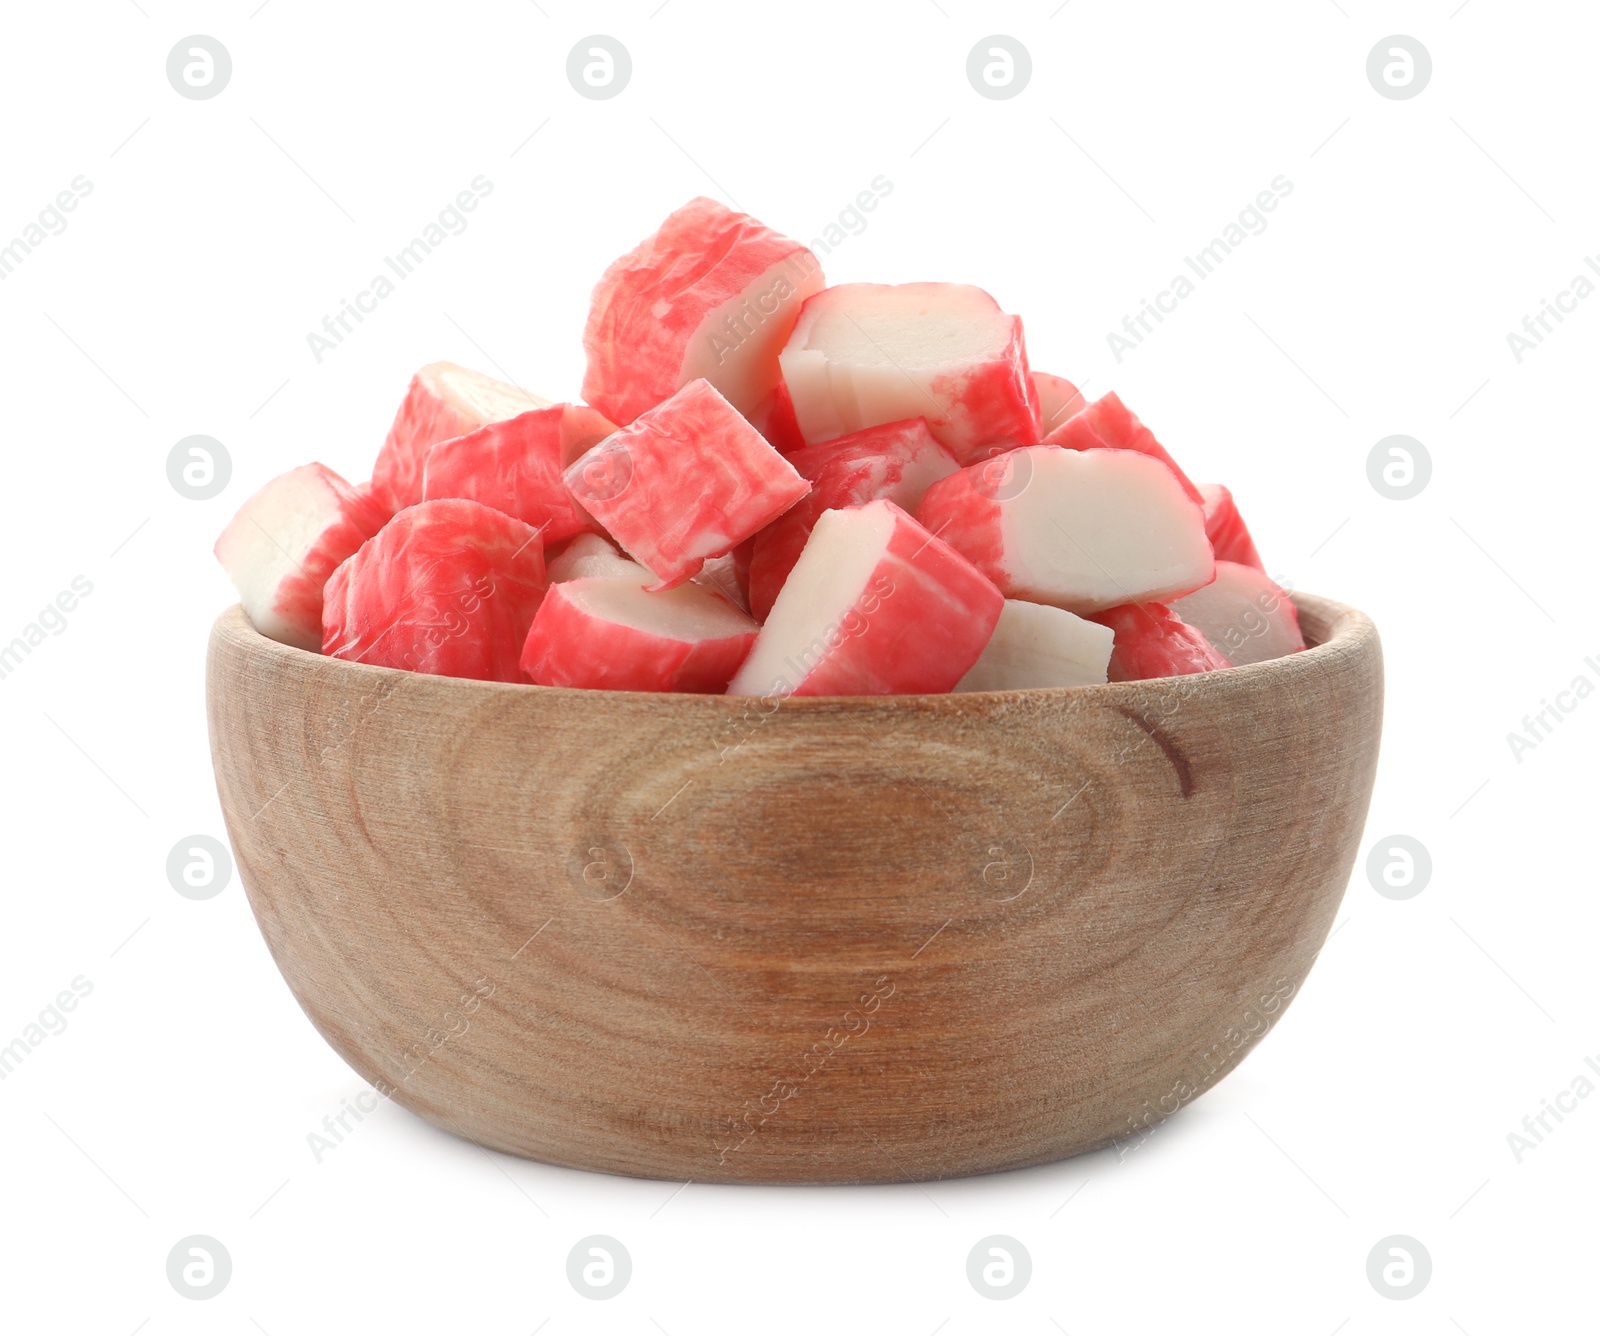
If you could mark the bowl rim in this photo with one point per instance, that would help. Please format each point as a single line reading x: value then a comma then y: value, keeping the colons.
x: 1347, y: 628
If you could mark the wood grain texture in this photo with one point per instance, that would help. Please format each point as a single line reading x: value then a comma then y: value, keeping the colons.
x: 827, y: 940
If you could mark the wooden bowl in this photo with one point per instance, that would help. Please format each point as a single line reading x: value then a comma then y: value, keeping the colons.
x: 821, y: 941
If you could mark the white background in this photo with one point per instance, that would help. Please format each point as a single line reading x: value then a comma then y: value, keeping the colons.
x: 179, y: 1098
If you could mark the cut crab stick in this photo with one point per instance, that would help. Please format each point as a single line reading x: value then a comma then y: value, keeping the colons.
x: 711, y: 294
x: 1153, y: 641
x: 284, y: 543
x: 443, y: 400
x: 867, y: 353
x: 688, y: 480
x: 1225, y: 527
x: 876, y: 606
x: 1035, y: 645
x: 589, y: 554
x: 1107, y: 422
x: 899, y: 461
x: 1084, y: 530
x: 775, y: 420
x: 614, y: 634
x: 447, y: 587
x: 515, y: 465
x: 1059, y: 399
x: 1245, y: 615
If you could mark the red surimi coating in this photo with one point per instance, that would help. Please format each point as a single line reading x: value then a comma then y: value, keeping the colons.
x: 775, y: 420
x: 284, y: 543
x: 609, y: 632
x: 876, y: 606
x: 1059, y: 399
x: 688, y: 480
x: 443, y: 400
x: 1084, y: 530
x: 446, y: 587
x: 899, y: 460
x: 1108, y: 422
x: 1152, y: 641
x: 515, y: 466
x: 711, y: 294
x: 1226, y: 529
x: 867, y: 353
